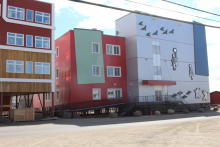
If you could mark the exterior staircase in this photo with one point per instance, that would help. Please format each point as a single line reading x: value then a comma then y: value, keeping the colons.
x: 127, y: 108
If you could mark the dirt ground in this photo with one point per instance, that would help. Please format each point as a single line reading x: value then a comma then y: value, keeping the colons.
x: 177, y: 130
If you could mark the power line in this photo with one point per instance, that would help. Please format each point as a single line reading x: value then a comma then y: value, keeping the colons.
x: 172, y: 10
x: 191, y: 8
x: 142, y: 13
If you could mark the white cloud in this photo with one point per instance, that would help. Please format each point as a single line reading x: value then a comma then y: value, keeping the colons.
x: 207, y: 4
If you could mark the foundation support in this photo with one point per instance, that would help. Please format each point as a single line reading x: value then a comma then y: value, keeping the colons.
x: 52, y: 104
x: 1, y: 110
x: 44, y: 115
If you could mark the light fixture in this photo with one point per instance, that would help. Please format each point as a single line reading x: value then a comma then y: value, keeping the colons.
x: 117, y: 32
x: 154, y: 18
x: 114, y: 84
x: 180, y: 24
x: 130, y: 84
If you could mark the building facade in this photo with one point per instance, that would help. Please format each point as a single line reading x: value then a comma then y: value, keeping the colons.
x: 215, y: 98
x: 26, y: 49
x: 90, y: 66
x: 165, y: 59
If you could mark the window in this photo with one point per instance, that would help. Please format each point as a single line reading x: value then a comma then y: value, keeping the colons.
x: 157, y: 70
x: 96, y: 70
x: 0, y: 9
x: 47, y: 96
x: 57, y: 95
x: 14, y: 12
x: 57, y: 51
x: 42, y: 17
x: 42, y: 68
x: 29, y: 40
x: 114, y: 93
x: 15, y: 66
x: 29, y: 67
x: 57, y: 73
x: 113, y: 49
x: 42, y: 42
x: 15, y: 39
x: 95, y: 48
x: 156, y: 47
x: 113, y: 71
x: 96, y: 94
x: 30, y: 14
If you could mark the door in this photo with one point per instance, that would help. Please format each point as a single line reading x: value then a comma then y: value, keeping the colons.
x: 130, y: 94
x: 158, y: 95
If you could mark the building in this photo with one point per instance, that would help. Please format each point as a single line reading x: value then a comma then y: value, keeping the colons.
x: 215, y: 98
x: 166, y: 60
x: 26, y: 49
x: 90, y: 68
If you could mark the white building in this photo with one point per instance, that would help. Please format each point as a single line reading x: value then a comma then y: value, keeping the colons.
x: 165, y: 57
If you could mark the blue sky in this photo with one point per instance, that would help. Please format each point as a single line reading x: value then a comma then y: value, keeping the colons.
x: 71, y: 15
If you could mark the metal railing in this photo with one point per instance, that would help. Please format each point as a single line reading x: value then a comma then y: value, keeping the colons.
x: 154, y: 98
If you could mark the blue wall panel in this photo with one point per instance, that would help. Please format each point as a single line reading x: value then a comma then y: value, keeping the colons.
x: 201, y: 57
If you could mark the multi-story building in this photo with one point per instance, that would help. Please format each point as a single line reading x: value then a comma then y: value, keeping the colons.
x: 90, y: 67
x: 26, y: 49
x: 165, y: 57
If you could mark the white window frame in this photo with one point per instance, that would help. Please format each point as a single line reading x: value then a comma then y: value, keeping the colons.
x: 99, y: 93
x: 14, y: 66
x: 32, y: 15
x: 0, y: 9
x: 57, y: 75
x: 42, y: 17
x: 57, y: 51
x: 98, y: 47
x: 57, y: 94
x: 42, y: 42
x: 113, y: 71
x: 15, y: 38
x: 16, y: 13
x: 32, y: 41
x: 93, y: 69
x: 113, y: 49
x: 114, y: 94
x: 26, y: 68
x: 47, y: 96
x: 42, y: 68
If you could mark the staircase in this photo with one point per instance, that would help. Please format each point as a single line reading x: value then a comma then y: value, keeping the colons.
x: 126, y: 109
x: 183, y: 104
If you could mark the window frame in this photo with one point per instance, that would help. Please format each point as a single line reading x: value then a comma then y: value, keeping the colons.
x: 15, y: 39
x: 99, y: 93
x: 113, y: 71
x: 14, y: 66
x: 32, y: 41
x: 16, y: 13
x: 42, y: 17
x: 114, y: 93
x: 99, y: 70
x: 32, y: 15
x: 26, y: 67
x: 42, y: 42
x: 98, y: 47
x: 57, y: 51
x: 57, y: 75
x: 58, y: 95
x: 113, y: 49
x: 42, y: 68
x: 47, y: 95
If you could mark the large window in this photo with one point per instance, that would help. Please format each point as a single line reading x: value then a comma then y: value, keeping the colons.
x: 30, y: 15
x: 57, y: 95
x: 15, y: 39
x: 95, y: 47
x: 113, y: 71
x: 96, y: 70
x: 96, y: 94
x: 114, y: 93
x: 113, y: 49
x: 29, y: 67
x: 42, y: 68
x: 29, y: 40
x: 14, y: 12
x: 42, y: 17
x: 15, y: 66
x: 42, y: 42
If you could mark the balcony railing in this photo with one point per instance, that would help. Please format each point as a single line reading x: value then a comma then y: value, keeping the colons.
x: 154, y: 98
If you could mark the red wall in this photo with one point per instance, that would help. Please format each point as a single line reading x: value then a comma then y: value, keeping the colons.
x: 215, y: 97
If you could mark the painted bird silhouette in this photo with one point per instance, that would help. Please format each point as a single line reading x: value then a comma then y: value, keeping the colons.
x: 172, y: 32
x: 155, y: 33
x: 162, y: 29
x: 141, y: 23
x: 148, y: 34
x: 188, y: 92
x: 184, y: 96
x: 144, y: 28
x: 165, y: 32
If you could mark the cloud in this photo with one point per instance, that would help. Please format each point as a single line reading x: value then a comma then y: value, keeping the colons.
x: 207, y: 5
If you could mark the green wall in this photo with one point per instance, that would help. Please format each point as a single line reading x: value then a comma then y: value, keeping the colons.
x: 85, y: 58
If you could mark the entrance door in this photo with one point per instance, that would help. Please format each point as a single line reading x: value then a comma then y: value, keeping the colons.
x: 130, y: 94
x: 158, y: 95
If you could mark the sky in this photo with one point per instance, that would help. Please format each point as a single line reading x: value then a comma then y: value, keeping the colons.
x: 71, y: 15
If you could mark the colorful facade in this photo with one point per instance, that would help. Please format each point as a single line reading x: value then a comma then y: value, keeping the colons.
x: 26, y: 49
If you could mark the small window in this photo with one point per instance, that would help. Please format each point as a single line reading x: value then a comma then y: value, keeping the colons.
x: 57, y: 95
x: 156, y: 47
x: 57, y: 51
x: 96, y: 70
x: 29, y: 67
x: 42, y: 42
x: 57, y: 73
x: 114, y: 93
x: 47, y: 96
x: 95, y: 48
x: 15, y: 66
x: 42, y: 68
x: 0, y: 10
x: 15, y: 39
x: 30, y: 15
x: 96, y: 94
x: 113, y: 71
x: 157, y: 70
x: 29, y: 40
x: 42, y: 17
x: 113, y: 49
x: 14, y: 12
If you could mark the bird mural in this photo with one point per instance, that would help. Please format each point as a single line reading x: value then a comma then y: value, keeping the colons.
x: 148, y: 34
x: 188, y: 92
x: 184, y: 96
x: 174, y: 95
x: 144, y: 28
x: 141, y: 23
x: 155, y: 33
x: 162, y: 29
x: 165, y: 32
x: 172, y: 32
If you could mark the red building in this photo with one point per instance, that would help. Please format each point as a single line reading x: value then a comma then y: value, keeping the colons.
x: 215, y: 98
x: 90, y: 67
